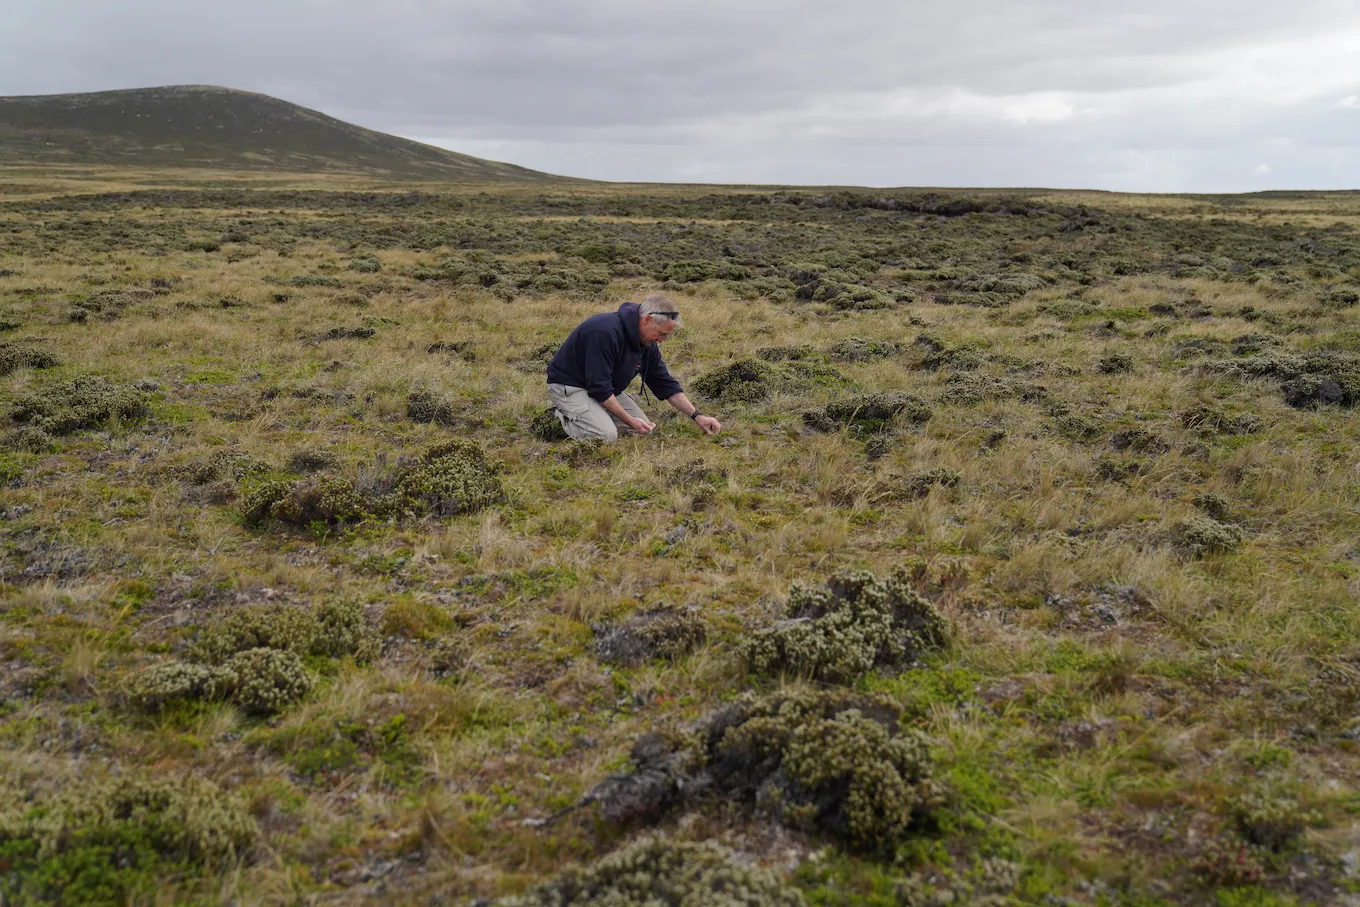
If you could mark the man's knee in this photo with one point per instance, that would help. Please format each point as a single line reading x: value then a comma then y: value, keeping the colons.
x: 591, y: 430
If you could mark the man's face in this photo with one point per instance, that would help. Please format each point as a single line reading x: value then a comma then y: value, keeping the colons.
x: 655, y: 330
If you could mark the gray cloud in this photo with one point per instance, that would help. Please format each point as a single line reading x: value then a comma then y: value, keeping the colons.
x: 1172, y: 96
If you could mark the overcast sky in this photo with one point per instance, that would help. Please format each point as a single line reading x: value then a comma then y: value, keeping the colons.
x: 1159, y: 95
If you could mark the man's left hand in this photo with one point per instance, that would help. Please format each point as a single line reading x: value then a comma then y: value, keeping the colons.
x: 710, y: 425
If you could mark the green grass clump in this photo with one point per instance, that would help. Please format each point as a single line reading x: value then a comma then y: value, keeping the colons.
x: 666, y: 633
x: 19, y: 354
x: 656, y: 872
x: 87, y: 401
x: 868, y: 413
x: 268, y: 680
x: 1201, y: 536
x: 114, y: 842
x: 843, y: 631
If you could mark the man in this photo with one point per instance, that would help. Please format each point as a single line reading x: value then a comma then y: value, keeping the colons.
x: 592, y: 369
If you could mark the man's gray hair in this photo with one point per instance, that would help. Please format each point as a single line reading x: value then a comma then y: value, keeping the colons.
x: 661, y: 308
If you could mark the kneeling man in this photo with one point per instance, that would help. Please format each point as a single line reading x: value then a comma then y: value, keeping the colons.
x: 601, y: 357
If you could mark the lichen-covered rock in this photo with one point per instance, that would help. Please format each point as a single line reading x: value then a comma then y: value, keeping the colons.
x: 110, y: 842
x: 656, y: 872
x: 18, y: 354
x: 666, y: 633
x: 86, y: 401
x: 268, y: 680
x: 172, y: 682
x: 1202, y: 536
x: 868, y: 413
x: 841, y: 632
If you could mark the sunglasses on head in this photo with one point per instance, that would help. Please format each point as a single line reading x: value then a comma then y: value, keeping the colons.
x: 670, y: 315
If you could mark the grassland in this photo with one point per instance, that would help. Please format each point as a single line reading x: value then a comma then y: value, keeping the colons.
x: 268, y: 636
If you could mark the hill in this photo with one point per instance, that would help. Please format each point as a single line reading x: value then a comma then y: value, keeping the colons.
x: 210, y: 127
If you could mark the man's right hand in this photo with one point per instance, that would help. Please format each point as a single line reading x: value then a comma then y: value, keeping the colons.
x: 641, y: 426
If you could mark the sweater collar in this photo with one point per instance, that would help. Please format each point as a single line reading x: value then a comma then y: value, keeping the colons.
x: 628, y: 312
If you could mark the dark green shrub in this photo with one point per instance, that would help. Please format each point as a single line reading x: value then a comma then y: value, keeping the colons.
x: 743, y: 381
x: 312, y: 459
x: 868, y: 413
x: 1209, y: 420
x: 919, y: 484
x: 843, y: 631
x: 19, y: 354
x: 30, y: 439
x: 784, y: 353
x: 449, y: 478
x: 1201, y: 536
x: 833, y: 763
x: 287, y: 628
x: 547, y: 427
x: 655, y: 872
x: 231, y: 465
x: 87, y: 401
x: 1272, y: 817
x: 173, y: 682
x: 423, y: 406
x: 1115, y: 364
x: 323, y: 499
x: 666, y: 633
x: 365, y: 264
x: 858, y: 349
x: 115, y: 841
x: 268, y: 680
x: 965, y: 389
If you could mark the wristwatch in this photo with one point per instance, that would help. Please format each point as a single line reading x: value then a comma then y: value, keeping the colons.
x: 696, y: 414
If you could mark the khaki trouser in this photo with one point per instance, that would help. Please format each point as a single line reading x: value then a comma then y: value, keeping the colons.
x: 584, y: 418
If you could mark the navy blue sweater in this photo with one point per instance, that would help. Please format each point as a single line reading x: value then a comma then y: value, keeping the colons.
x: 605, y: 353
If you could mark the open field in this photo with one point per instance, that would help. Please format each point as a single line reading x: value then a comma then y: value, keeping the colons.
x: 273, y: 631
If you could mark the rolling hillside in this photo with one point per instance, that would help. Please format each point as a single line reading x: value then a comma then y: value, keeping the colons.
x: 206, y: 126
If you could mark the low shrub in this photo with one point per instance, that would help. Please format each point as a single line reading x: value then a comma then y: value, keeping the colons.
x: 665, y: 633
x: 653, y: 872
x: 833, y: 763
x: 1201, y: 536
x: 918, y: 485
x: 856, y: 623
x: 87, y: 401
x: 116, y: 841
x: 19, y: 354
x: 268, y: 680
x: 868, y: 413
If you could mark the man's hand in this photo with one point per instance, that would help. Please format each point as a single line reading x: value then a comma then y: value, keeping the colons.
x: 710, y: 425
x: 641, y: 426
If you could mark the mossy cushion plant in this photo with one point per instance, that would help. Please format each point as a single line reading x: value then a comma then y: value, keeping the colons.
x: 115, y: 841
x: 85, y: 401
x: 837, y: 764
x: 841, y: 632
x: 450, y: 478
x: 657, y: 872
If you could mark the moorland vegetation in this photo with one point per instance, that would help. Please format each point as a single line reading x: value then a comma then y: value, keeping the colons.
x: 1024, y: 570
